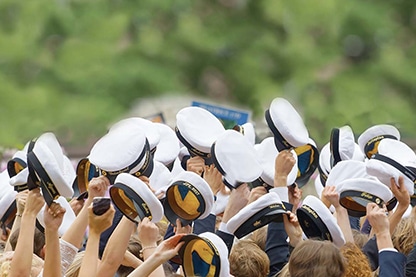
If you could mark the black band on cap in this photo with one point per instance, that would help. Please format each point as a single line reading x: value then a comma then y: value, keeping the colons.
x: 9, y: 214
x: 271, y: 213
x: 85, y: 172
x: 140, y: 206
x: 322, y: 175
x: 147, y: 167
x: 192, y: 150
x: 259, y: 182
x: 49, y: 190
x: 280, y: 142
x: 312, y: 225
x: 354, y: 208
x: 11, y: 169
x: 215, y: 160
x: 369, y: 148
x: 334, y: 146
x: 408, y: 172
x: 32, y: 179
x: 391, y: 204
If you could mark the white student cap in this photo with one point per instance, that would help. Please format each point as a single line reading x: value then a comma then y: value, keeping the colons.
x: 204, y: 255
x: 135, y: 199
x: 317, y: 221
x: 235, y: 158
x: 394, y: 159
x: 371, y: 137
x: 266, y: 154
x: 286, y: 125
x: 342, y: 144
x: 168, y: 148
x: 197, y: 129
x: 257, y: 214
x: 123, y: 149
x: 188, y: 197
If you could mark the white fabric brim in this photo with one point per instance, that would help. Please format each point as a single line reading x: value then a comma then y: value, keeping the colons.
x: 20, y: 178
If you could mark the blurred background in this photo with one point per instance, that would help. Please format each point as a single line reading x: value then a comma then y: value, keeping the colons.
x: 76, y: 66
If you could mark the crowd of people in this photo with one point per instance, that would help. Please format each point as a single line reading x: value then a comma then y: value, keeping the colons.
x: 199, y: 200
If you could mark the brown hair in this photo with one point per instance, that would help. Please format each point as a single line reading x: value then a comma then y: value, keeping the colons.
x: 259, y: 237
x: 360, y: 239
x: 247, y: 259
x: 38, y: 241
x: 404, y: 236
x: 357, y: 264
x: 316, y: 258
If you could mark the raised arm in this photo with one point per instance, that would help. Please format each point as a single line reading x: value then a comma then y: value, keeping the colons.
x: 165, y: 251
x: 75, y: 233
x: 97, y: 224
x: 53, y: 216
x: 341, y: 214
x: 22, y: 258
x: 116, y: 247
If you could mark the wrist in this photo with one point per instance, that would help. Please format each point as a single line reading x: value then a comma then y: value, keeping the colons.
x: 280, y: 181
x: 29, y: 214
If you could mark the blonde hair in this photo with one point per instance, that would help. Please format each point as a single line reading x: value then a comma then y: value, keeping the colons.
x: 6, y: 262
x: 357, y: 264
x: 73, y: 269
x: 247, y: 259
x: 404, y: 236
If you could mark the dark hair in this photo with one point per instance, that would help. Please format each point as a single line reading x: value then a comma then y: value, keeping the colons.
x: 38, y: 241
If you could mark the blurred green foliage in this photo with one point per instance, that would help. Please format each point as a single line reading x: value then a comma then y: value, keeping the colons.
x: 73, y: 66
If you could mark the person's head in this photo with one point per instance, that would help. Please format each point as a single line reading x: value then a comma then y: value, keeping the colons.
x: 38, y: 242
x: 6, y: 260
x: 404, y: 236
x: 316, y: 258
x: 357, y: 264
x: 247, y: 259
x: 359, y: 238
x: 259, y: 237
x: 134, y: 247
